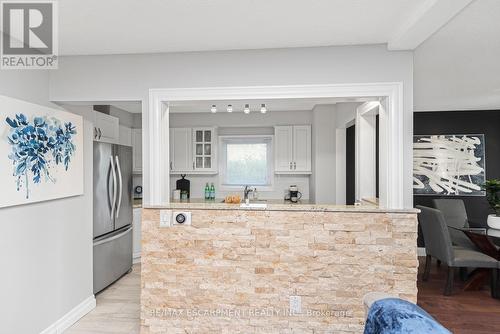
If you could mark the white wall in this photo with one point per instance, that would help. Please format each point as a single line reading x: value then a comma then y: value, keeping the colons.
x: 128, y: 77
x: 323, y: 154
x: 45, y: 248
x: 458, y: 67
x: 238, y: 123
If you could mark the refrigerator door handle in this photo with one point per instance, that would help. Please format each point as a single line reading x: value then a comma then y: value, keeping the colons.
x: 119, y: 235
x: 113, y: 205
x: 120, y: 179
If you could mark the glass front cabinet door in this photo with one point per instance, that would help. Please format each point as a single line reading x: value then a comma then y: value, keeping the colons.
x: 204, y: 146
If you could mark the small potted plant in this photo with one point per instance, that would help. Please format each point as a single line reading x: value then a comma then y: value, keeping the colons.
x: 492, y: 188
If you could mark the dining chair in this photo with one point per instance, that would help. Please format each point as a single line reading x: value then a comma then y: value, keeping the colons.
x: 455, y: 215
x: 438, y: 245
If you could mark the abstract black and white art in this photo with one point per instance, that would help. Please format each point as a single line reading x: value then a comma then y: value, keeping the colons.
x: 448, y: 165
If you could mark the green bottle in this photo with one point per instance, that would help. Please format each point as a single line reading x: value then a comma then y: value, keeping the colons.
x: 212, y: 191
x: 207, y: 191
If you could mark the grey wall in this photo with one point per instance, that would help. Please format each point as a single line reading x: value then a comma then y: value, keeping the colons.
x: 46, y: 247
x: 129, y: 77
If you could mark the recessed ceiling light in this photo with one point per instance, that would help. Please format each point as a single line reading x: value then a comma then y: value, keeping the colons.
x: 213, y: 109
x: 263, y: 108
x: 229, y: 108
x: 247, y: 109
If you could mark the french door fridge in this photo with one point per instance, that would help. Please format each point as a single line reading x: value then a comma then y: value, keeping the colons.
x: 112, y: 213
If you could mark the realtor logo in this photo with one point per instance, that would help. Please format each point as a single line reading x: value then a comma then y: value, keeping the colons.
x: 29, y: 35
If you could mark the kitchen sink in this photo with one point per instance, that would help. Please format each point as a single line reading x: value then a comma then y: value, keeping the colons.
x: 254, y: 205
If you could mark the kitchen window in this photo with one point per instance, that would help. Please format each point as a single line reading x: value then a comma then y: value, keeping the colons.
x: 246, y: 160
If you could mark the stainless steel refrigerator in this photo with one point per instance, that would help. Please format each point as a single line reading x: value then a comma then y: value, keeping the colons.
x: 112, y: 213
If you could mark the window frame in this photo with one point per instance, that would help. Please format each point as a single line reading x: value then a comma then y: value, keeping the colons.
x: 252, y: 139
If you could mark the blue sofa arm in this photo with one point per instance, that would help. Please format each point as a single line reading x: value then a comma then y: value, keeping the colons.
x: 397, y: 316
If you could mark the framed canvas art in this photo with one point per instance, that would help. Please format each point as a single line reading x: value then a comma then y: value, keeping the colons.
x: 451, y: 165
x: 41, y: 153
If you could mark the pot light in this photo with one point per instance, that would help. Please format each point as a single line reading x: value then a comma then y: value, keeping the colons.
x: 213, y: 109
x: 247, y: 109
x: 263, y: 108
x: 229, y: 108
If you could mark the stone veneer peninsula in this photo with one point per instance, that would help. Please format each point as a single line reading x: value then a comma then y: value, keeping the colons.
x: 233, y: 270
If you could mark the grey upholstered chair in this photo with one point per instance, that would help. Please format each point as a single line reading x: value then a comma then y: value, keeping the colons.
x: 438, y: 245
x: 455, y: 216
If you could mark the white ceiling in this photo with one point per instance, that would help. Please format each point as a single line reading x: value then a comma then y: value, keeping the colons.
x: 271, y: 105
x: 151, y: 26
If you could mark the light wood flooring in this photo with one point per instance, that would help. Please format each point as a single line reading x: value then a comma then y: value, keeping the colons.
x: 117, y: 310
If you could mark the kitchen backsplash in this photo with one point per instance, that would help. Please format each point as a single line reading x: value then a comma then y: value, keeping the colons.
x: 280, y: 188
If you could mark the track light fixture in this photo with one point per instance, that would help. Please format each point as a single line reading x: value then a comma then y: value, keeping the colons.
x: 229, y: 108
x: 213, y: 109
x: 263, y: 108
x: 247, y: 109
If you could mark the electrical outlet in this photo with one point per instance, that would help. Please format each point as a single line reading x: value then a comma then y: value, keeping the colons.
x: 165, y: 218
x: 295, y: 305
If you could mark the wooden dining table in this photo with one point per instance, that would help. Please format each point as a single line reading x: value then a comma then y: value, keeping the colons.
x: 487, y: 240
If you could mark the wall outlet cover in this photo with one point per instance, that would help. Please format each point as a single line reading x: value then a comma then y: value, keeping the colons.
x: 295, y: 305
x: 165, y: 218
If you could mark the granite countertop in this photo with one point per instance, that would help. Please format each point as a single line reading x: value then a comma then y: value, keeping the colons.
x: 137, y: 203
x: 274, y: 205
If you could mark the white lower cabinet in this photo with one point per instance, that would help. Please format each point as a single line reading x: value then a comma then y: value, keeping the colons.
x: 136, y: 236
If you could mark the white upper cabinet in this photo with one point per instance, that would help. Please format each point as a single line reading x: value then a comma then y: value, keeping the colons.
x: 283, y: 150
x: 204, y: 147
x: 137, y: 150
x: 302, y: 148
x: 125, y: 135
x: 193, y: 151
x: 106, y: 128
x: 292, y: 150
x: 181, y: 159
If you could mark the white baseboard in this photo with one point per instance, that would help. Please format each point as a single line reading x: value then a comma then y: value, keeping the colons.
x: 421, y: 251
x: 136, y: 257
x: 71, y: 317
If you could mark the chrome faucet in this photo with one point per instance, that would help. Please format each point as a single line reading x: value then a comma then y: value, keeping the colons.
x: 245, y: 194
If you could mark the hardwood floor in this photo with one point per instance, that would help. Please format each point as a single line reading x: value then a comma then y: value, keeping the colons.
x: 464, y: 312
x: 117, y: 310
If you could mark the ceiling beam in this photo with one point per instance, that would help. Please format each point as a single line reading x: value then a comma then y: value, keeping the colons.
x: 431, y: 16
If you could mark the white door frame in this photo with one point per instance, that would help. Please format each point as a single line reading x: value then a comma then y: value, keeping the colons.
x: 366, y: 151
x: 391, y: 122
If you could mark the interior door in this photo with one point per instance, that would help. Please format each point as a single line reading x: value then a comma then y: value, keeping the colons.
x: 123, y: 164
x: 103, y: 189
x: 302, y: 148
x: 283, y: 148
x: 350, y: 182
x: 181, y: 159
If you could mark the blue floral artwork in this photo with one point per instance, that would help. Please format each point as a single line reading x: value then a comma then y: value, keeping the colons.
x: 37, y: 146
